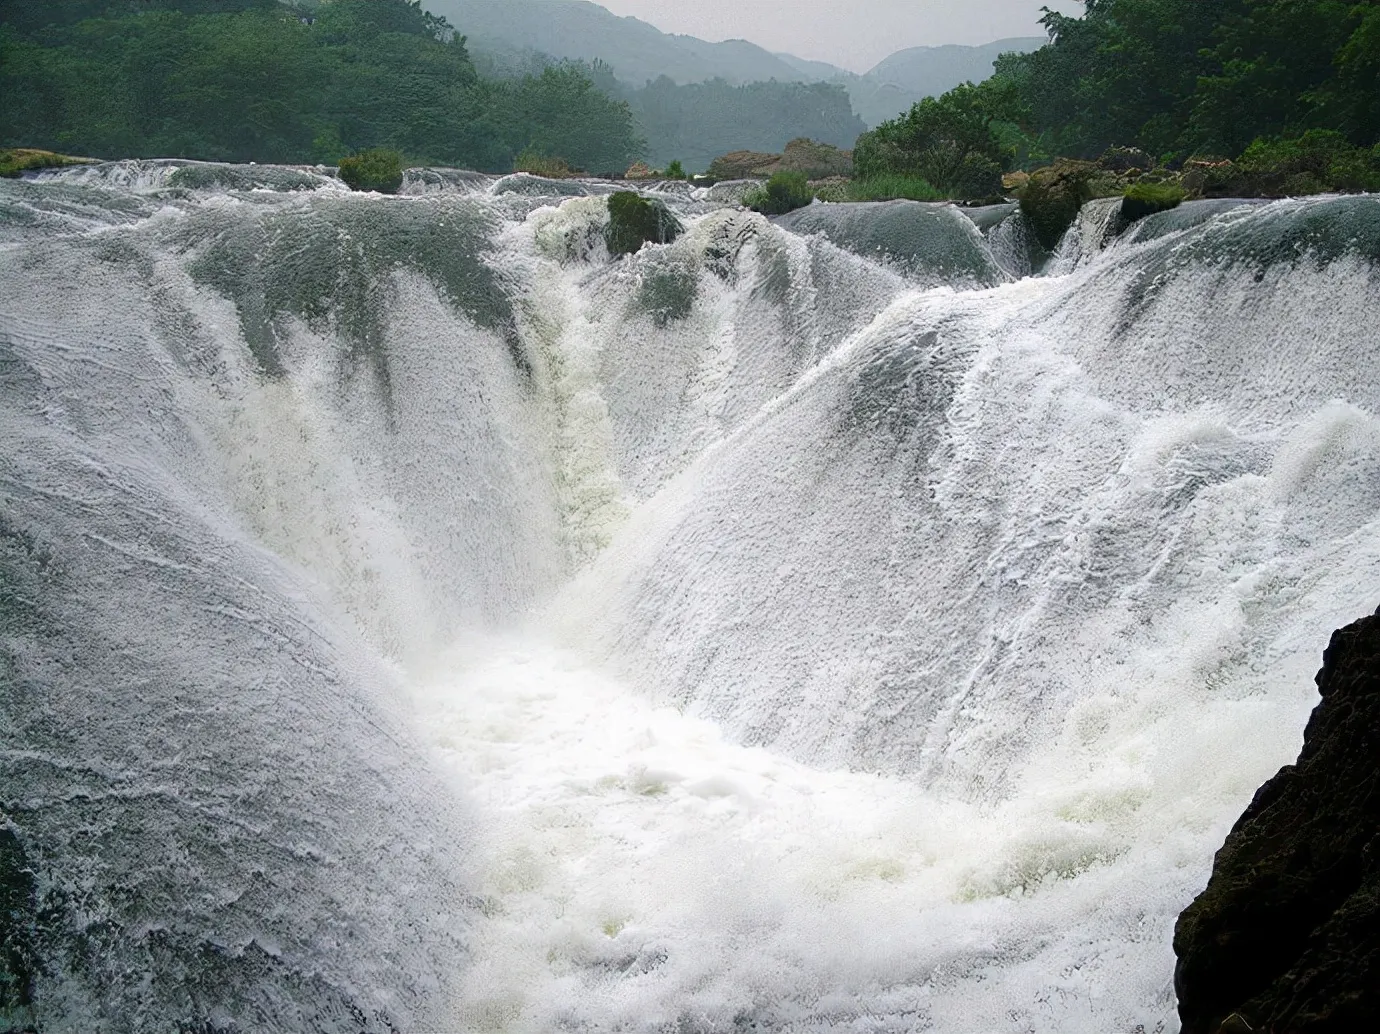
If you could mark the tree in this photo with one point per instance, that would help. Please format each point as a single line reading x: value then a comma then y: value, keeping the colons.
x: 949, y: 141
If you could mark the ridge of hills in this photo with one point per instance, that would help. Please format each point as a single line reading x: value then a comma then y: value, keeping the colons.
x: 520, y: 34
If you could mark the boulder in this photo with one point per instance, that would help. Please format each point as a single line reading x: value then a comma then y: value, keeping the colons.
x: 1286, y: 937
x: 1125, y: 159
x: 1052, y: 196
x: 635, y: 220
x: 817, y: 161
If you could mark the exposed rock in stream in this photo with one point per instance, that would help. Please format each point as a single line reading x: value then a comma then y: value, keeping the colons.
x: 1286, y: 937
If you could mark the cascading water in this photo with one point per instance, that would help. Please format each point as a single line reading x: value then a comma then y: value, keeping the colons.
x: 414, y: 621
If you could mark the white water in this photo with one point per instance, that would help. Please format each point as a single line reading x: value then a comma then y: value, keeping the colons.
x: 828, y: 652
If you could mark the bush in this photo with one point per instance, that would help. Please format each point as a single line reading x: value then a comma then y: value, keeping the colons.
x: 1320, y: 159
x: 891, y: 187
x: 784, y: 192
x: 948, y: 141
x: 535, y: 163
x: 675, y: 171
x: 1142, y: 199
x: 635, y: 220
x: 378, y: 169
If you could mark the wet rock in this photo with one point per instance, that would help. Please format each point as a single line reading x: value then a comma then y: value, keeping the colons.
x: 1052, y: 196
x: 1286, y: 937
x: 635, y: 220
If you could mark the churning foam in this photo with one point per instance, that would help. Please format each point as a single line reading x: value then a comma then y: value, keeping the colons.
x: 812, y: 648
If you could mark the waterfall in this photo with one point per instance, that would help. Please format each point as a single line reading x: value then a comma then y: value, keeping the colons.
x: 414, y: 620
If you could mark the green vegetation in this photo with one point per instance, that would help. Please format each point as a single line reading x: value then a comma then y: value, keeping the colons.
x: 378, y: 169
x: 537, y: 164
x: 260, y: 80
x: 1210, y: 77
x: 675, y: 171
x: 890, y: 187
x: 1319, y: 160
x: 17, y: 160
x: 1142, y: 199
x: 635, y: 220
x: 784, y: 192
x: 951, y: 142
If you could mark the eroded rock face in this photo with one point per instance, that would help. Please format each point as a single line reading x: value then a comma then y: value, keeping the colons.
x: 1286, y: 937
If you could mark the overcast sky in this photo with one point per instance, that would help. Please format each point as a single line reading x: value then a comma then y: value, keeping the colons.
x: 853, y: 34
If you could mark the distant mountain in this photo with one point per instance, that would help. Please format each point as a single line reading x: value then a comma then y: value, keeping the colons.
x: 638, y: 52
x: 908, y: 75
x: 820, y: 70
x: 517, y: 37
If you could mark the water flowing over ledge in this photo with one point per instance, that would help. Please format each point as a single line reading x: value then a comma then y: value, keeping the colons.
x: 414, y: 620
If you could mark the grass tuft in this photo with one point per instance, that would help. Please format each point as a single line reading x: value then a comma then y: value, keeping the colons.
x: 892, y: 187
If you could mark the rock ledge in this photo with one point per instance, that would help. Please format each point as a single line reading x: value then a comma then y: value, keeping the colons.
x: 1286, y: 937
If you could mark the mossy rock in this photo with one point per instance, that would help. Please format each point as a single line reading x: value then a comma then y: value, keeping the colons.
x: 378, y: 169
x: 1142, y: 199
x: 1053, y: 195
x: 635, y: 220
x: 15, y: 161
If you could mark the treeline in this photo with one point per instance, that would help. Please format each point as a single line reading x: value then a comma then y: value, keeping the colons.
x: 263, y: 80
x: 1209, y: 76
x: 695, y: 123
x: 1289, y: 87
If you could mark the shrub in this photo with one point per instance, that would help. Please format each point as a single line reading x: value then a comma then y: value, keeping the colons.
x: 784, y: 192
x: 1142, y: 199
x: 635, y: 220
x: 675, y: 171
x: 950, y: 141
x: 892, y: 186
x: 535, y: 163
x: 378, y: 169
x: 1320, y: 159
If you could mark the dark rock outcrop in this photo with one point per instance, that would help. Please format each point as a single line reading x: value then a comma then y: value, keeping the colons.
x: 635, y: 220
x: 1286, y: 937
x: 1052, y: 196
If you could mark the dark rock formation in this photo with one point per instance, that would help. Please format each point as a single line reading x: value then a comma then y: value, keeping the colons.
x: 635, y: 220
x: 1052, y: 196
x: 1126, y: 159
x: 1286, y: 937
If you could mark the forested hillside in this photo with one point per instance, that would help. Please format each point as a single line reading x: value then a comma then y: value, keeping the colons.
x: 1208, y: 76
x: 260, y: 80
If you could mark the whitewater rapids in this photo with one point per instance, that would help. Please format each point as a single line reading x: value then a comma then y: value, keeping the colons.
x: 414, y: 621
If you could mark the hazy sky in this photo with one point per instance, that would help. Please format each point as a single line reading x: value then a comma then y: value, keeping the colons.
x: 853, y: 34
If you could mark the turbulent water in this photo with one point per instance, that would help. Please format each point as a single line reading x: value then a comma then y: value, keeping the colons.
x: 412, y: 620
